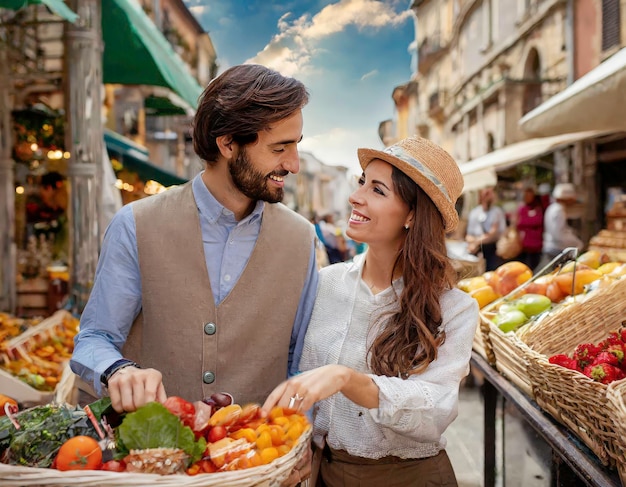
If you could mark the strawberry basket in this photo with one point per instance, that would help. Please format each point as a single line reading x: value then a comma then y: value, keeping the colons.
x: 569, y: 396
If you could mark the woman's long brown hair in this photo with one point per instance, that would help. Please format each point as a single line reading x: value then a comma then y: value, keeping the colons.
x: 409, y: 337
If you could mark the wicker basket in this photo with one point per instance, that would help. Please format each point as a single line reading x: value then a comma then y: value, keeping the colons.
x: 270, y: 475
x: 509, y: 354
x: 481, y: 343
x: 569, y: 396
x: 616, y: 393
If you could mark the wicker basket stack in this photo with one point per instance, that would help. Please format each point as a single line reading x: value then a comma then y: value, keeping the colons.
x: 570, y: 397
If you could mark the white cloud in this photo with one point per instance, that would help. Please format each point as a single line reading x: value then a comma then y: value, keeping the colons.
x: 339, y: 146
x: 199, y: 9
x: 369, y: 75
x: 290, y: 50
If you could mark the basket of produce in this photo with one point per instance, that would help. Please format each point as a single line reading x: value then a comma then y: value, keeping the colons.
x: 573, y: 354
x: 33, y: 363
x: 177, y: 443
x: 527, y: 300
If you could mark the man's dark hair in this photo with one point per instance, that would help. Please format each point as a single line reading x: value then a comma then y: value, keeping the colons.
x: 241, y: 102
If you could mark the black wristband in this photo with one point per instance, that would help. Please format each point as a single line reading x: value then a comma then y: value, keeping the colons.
x: 114, y: 367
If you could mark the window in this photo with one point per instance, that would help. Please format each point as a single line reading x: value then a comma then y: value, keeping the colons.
x: 610, y: 24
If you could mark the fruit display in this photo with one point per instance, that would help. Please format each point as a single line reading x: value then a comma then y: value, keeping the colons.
x: 176, y: 437
x: 12, y: 326
x: 603, y: 362
x: 38, y: 356
x: 612, y: 239
x: 591, y: 270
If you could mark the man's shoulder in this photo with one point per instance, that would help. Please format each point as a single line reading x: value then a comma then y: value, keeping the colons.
x: 157, y: 200
x: 282, y: 211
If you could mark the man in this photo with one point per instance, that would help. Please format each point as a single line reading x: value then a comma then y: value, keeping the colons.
x: 557, y: 234
x: 209, y: 287
x: 485, y: 224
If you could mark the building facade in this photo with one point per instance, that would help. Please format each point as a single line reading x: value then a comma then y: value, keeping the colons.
x: 482, y: 65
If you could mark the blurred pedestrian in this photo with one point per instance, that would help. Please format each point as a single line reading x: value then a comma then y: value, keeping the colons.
x: 557, y: 233
x: 485, y: 224
x: 390, y: 337
x: 530, y: 228
x: 332, y: 238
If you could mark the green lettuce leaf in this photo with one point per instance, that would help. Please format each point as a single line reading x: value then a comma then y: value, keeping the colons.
x: 153, y: 426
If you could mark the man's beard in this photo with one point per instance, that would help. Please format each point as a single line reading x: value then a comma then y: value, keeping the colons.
x: 251, y: 182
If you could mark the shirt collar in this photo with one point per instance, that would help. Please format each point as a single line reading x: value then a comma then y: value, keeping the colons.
x: 212, y: 209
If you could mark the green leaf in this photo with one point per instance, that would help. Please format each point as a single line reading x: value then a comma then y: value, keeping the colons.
x: 153, y: 426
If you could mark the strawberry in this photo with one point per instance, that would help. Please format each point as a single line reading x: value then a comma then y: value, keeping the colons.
x: 604, y: 373
x: 564, y: 361
x: 585, y: 353
x: 622, y: 334
x: 618, y: 351
x: 606, y: 358
x: 612, y: 339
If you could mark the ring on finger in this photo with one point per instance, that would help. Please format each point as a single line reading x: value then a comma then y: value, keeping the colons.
x: 294, y: 399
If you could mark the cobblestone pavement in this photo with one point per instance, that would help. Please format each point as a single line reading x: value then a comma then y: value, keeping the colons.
x: 526, y: 457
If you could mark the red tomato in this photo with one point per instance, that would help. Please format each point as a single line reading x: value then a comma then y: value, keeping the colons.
x: 185, y: 410
x: 114, y: 466
x: 79, y: 453
x: 216, y: 433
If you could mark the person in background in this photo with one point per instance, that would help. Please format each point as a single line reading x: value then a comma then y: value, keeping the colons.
x: 209, y: 286
x: 332, y: 238
x: 485, y: 224
x: 390, y: 337
x: 557, y: 234
x: 530, y: 228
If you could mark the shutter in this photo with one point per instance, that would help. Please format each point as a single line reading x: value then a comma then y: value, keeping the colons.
x: 610, y: 24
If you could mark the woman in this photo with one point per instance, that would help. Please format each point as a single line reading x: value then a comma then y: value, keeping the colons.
x: 389, y: 331
x: 530, y: 228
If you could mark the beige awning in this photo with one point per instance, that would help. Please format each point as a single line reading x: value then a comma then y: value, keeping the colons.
x: 478, y: 169
x: 480, y: 179
x: 596, y: 101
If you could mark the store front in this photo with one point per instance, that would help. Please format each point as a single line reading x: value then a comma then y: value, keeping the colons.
x: 115, y: 43
x: 597, y: 102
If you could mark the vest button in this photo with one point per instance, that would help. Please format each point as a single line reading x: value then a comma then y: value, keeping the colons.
x: 209, y: 328
x: 208, y: 377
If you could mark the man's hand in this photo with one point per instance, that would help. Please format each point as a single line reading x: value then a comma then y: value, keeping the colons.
x: 130, y: 388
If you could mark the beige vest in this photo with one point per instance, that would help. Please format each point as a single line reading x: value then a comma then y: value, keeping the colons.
x: 240, y: 346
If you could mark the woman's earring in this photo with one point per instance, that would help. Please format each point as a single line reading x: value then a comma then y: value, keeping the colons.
x: 406, y: 227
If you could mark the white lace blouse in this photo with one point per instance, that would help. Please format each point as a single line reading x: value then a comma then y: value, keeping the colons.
x: 413, y: 413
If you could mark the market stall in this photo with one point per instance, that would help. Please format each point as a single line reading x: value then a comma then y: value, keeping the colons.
x: 553, y: 344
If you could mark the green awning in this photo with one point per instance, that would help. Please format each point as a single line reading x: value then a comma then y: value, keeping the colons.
x: 137, y: 53
x: 135, y: 50
x: 57, y: 6
x: 134, y: 157
x: 161, y: 106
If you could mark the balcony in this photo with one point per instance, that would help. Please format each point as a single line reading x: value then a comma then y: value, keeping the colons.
x: 436, y: 105
x: 430, y: 50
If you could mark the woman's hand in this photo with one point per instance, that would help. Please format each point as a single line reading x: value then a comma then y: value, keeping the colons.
x: 308, y: 388
x: 130, y: 388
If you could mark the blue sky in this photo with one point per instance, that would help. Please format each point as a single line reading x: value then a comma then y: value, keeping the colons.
x: 350, y: 54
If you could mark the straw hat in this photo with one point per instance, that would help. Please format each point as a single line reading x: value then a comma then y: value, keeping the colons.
x: 431, y: 167
x: 564, y: 191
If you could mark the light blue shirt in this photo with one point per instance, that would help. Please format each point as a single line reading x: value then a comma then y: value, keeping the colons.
x: 115, y: 299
